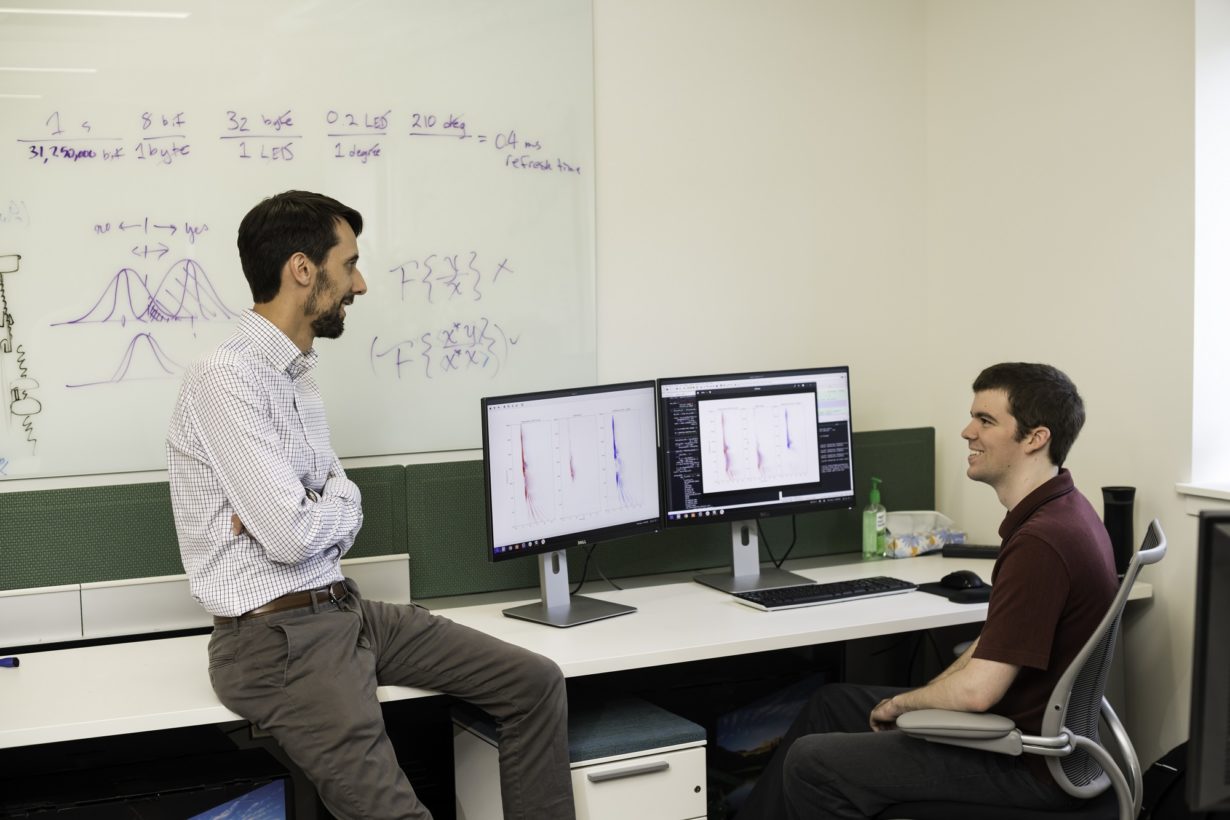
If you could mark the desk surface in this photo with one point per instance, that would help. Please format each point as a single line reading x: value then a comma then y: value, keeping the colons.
x: 95, y: 691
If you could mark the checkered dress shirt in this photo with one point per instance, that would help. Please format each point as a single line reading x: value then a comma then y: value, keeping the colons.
x: 249, y: 437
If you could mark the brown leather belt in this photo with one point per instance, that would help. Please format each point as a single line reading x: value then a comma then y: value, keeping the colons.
x: 333, y: 593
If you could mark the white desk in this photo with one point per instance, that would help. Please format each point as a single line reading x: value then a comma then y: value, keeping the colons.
x: 115, y: 689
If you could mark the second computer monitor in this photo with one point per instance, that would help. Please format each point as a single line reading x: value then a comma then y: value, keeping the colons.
x: 743, y: 446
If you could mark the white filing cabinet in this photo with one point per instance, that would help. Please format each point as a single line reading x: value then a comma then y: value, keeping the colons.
x: 630, y: 759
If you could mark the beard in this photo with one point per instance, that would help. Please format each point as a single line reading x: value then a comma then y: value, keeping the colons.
x: 331, y: 323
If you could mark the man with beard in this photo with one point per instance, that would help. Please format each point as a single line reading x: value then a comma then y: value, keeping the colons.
x: 264, y: 513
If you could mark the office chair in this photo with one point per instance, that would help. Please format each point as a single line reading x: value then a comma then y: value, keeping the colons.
x: 1075, y: 754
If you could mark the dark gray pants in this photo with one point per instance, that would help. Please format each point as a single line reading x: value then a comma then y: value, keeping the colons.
x: 309, y: 678
x: 831, y: 765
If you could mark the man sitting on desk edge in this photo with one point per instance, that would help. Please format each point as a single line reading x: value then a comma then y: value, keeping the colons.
x: 264, y: 513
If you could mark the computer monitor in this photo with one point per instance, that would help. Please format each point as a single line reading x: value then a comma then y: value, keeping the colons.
x: 1208, y: 765
x: 750, y: 445
x: 563, y: 468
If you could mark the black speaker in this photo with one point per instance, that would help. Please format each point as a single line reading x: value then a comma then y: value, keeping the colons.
x: 1117, y: 511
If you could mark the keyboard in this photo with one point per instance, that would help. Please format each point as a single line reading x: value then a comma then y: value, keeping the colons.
x: 793, y: 597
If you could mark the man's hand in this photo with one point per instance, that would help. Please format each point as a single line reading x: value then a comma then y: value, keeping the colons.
x: 974, y: 685
x: 237, y: 527
x: 884, y: 715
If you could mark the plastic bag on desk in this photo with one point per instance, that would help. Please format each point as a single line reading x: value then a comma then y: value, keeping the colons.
x: 918, y: 532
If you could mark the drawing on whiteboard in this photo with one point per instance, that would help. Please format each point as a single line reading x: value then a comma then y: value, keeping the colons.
x: 144, y: 359
x: 460, y: 347
x: 519, y: 151
x: 239, y: 127
x: 344, y: 125
x: 185, y: 294
x: 450, y: 276
x: 191, y: 231
x: 15, y: 213
x: 22, y: 405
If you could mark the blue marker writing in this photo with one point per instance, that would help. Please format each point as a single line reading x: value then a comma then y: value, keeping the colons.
x: 12, y: 663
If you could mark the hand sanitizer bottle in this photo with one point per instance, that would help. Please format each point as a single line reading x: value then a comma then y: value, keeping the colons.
x: 875, y: 524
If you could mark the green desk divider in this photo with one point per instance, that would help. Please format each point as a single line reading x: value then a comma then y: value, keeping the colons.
x: 435, y: 512
x: 448, y: 542
x: 88, y: 534
x: 384, y: 511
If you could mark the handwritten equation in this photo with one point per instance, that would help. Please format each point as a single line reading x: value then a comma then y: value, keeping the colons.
x: 479, y: 345
x: 281, y: 135
x: 443, y: 277
x: 145, y: 226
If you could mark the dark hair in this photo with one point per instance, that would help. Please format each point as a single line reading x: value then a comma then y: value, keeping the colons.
x: 286, y: 224
x: 1038, y: 396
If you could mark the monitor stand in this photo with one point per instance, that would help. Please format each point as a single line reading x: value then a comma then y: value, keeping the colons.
x: 746, y: 574
x: 557, y: 607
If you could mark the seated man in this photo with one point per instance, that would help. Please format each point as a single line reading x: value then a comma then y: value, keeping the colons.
x: 1051, y: 585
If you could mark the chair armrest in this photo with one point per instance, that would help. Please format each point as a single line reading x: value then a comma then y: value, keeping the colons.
x: 946, y: 723
x: 974, y: 730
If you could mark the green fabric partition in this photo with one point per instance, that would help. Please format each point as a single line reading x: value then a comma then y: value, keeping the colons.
x: 88, y: 534
x: 436, y: 513
x: 384, y: 511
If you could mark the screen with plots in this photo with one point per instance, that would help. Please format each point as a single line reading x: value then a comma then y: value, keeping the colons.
x: 570, y: 467
x: 751, y: 445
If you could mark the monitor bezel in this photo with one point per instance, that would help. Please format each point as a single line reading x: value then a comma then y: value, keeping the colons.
x: 1206, y: 789
x: 760, y: 511
x: 577, y: 539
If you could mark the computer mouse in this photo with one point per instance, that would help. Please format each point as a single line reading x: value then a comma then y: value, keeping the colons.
x: 961, y: 579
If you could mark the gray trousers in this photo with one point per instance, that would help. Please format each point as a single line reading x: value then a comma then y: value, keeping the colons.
x: 309, y: 676
x: 831, y: 765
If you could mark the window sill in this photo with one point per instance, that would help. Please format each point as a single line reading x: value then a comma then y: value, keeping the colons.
x: 1199, y: 497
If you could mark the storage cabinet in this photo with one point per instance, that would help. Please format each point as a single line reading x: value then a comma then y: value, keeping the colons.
x: 629, y: 759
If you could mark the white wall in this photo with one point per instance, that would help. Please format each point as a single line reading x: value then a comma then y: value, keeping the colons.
x: 1060, y: 193
x: 760, y: 192
x: 920, y: 188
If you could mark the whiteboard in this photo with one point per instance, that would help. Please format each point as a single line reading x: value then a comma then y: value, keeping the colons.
x: 461, y: 129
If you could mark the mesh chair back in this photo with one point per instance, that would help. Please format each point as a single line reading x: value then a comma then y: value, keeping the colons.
x: 1076, y: 703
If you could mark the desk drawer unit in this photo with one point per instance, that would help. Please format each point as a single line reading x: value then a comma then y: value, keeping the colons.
x: 630, y: 759
x: 652, y: 786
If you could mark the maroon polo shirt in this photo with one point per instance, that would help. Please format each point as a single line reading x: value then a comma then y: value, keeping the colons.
x: 1052, y: 583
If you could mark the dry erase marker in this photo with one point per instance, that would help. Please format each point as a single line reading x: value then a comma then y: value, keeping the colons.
x: 10, y: 662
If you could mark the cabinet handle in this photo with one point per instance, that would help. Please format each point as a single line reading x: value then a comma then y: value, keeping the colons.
x: 631, y: 771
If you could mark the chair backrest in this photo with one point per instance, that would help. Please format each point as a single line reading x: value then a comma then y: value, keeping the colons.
x: 1076, y: 702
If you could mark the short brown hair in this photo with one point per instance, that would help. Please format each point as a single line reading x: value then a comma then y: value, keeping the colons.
x: 1038, y: 396
x: 286, y: 224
